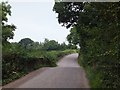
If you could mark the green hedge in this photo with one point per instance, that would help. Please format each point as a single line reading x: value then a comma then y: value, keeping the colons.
x: 15, y: 65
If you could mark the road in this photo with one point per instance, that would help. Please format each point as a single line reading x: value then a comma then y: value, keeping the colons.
x: 68, y: 74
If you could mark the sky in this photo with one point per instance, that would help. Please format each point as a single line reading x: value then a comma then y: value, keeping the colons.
x: 35, y: 19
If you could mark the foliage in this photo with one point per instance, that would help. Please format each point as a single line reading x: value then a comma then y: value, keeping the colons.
x: 47, y: 45
x: 68, y: 12
x: 98, y: 34
x: 73, y: 37
x: 51, y: 45
x: 7, y: 30
x: 26, y: 43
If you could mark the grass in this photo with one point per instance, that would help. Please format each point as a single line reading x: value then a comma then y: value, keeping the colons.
x: 93, y: 76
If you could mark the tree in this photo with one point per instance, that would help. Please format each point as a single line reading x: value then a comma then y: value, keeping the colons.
x: 36, y: 46
x: 73, y: 37
x: 7, y: 30
x: 51, y: 45
x: 68, y: 12
x: 97, y: 26
x: 70, y: 46
x: 26, y: 43
x: 63, y: 46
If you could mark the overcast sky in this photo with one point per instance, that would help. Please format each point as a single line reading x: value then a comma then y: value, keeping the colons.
x: 35, y: 19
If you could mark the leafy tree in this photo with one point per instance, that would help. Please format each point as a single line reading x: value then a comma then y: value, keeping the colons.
x: 7, y: 30
x: 50, y: 45
x: 68, y: 12
x: 70, y: 46
x: 26, y: 43
x: 73, y: 37
x: 63, y: 46
x: 36, y: 46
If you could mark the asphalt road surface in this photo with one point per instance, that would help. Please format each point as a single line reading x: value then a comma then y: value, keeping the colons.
x: 68, y: 74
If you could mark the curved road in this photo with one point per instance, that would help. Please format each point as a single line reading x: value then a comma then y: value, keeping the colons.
x: 68, y: 74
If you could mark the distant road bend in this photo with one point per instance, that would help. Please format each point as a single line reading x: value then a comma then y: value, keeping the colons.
x: 68, y: 74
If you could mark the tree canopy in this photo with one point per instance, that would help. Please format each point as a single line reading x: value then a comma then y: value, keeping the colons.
x: 26, y: 42
x: 7, y: 30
